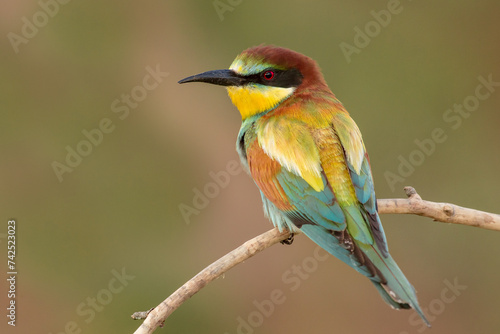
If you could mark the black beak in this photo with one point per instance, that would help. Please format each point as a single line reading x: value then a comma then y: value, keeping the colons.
x: 218, y: 77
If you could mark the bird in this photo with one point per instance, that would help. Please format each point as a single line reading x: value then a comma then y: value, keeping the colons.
x: 308, y: 159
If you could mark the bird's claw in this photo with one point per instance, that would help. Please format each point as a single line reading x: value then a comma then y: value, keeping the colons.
x: 288, y: 241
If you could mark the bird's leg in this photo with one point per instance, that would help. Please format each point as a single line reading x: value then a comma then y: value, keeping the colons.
x: 288, y: 241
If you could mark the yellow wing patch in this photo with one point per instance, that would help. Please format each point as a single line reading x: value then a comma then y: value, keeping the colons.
x: 351, y: 139
x: 292, y: 145
x: 334, y: 165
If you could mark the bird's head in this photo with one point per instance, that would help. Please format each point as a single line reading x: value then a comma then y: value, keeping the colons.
x: 262, y: 77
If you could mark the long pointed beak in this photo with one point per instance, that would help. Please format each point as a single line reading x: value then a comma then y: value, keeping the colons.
x: 217, y: 77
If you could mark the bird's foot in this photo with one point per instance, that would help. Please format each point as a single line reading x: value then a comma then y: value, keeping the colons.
x: 288, y: 241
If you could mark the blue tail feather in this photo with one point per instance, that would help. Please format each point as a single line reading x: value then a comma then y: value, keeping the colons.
x: 383, y: 271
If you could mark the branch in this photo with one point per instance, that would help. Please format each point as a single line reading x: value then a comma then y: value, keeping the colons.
x: 157, y: 316
x: 443, y: 212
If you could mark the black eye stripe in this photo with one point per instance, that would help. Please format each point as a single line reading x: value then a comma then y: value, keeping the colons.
x: 281, y: 78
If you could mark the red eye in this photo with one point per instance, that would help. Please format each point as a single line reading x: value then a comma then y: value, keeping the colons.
x: 268, y: 75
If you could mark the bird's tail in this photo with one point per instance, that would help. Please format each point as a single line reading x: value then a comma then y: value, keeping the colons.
x: 391, y: 283
x: 380, y: 268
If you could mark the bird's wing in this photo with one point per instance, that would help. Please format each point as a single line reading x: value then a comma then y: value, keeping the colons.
x: 285, y: 163
x: 322, y: 173
x: 303, y: 172
x: 332, y: 161
x: 361, y: 175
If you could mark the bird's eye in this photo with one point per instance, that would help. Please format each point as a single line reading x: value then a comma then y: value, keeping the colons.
x: 268, y: 75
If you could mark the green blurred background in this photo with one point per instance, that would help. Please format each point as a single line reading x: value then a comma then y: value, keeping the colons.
x: 119, y: 208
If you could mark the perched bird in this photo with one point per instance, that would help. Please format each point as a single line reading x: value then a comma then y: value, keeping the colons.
x: 307, y: 157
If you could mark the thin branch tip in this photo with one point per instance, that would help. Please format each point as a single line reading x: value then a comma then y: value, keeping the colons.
x: 141, y: 314
x: 411, y: 193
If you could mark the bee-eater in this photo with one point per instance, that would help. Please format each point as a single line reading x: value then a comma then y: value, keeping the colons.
x: 307, y: 157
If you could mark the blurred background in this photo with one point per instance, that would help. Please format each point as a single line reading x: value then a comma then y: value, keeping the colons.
x: 104, y: 158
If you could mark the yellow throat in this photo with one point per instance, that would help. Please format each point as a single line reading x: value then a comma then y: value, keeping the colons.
x: 253, y: 99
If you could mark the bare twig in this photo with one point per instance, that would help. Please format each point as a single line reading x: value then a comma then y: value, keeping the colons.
x: 159, y: 314
x: 443, y: 212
